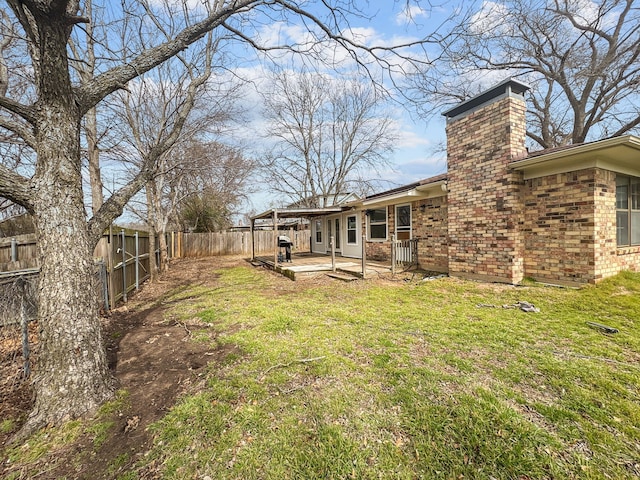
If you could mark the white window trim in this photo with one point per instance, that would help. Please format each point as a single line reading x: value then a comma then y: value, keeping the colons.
x: 316, y: 231
x: 409, y: 228
x: 386, y: 226
x: 355, y: 228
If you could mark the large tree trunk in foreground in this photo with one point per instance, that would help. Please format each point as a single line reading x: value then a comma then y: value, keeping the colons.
x: 72, y: 376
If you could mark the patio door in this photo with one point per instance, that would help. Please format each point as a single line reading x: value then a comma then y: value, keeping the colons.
x: 333, y: 228
x: 403, y: 233
x: 350, y: 242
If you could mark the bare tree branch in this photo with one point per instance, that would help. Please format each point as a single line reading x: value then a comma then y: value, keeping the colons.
x: 581, y: 59
x: 114, y: 79
x: 15, y: 187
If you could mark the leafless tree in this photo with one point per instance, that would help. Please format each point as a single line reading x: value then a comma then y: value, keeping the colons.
x: 332, y: 136
x: 159, y: 113
x: 72, y: 377
x: 84, y: 64
x: 218, y: 182
x: 580, y: 57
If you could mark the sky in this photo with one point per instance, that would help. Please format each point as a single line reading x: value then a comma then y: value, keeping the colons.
x: 418, y: 152
x: 419, y: 149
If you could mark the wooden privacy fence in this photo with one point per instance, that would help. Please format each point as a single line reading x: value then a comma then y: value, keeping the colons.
x: 121, y: 262
x: 18, y: 253
x: 122, y: 258
x: 237, y: 243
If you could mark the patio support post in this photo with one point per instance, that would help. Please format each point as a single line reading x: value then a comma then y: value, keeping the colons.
x: 253, y: 245
x: 275, y: 237
x: 393, y: 254
x: 333, y: 253
x: 364, y: 257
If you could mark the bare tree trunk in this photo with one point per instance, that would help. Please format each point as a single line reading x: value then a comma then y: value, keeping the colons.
x: 151, y: 223
x: 164, y: 258
x: 93, y: 155
x: 72, y: 376
x: 153, y: 264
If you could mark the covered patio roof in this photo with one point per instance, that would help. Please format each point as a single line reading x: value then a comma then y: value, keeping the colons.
x: 275, y: 214
x: 295, y: 213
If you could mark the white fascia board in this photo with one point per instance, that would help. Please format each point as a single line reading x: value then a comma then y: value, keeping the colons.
x: 430, y: 190
x: 618, y: 154
x: 406, y: 196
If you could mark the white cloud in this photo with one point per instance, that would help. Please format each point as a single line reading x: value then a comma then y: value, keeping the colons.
x: 493, y: 17
x: 410, y: 14
x: 587, y: 12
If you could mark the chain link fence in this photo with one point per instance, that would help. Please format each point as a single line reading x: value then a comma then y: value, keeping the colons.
x: 18, y: 310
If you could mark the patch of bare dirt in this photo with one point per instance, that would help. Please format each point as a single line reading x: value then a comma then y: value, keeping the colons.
x: 153, y: 359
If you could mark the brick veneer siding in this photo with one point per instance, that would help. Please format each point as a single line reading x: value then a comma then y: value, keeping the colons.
x: 559, y: 227
x: 430, y: 227
x: 570, y: 228
x: 380, y: 250
x: 608, y: 258
x: 484, y: 198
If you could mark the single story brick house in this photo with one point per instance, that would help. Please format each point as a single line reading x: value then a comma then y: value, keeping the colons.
x: 568, y: 215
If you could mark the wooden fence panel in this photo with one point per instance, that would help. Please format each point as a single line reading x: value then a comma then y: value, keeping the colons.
x: 122, y: 261
x: 18, y: 253
x: 239, y: 243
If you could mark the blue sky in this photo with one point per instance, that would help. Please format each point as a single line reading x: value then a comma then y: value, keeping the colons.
x: 419, y: 152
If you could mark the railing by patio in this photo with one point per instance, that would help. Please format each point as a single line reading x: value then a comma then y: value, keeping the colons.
x: 404, y: 254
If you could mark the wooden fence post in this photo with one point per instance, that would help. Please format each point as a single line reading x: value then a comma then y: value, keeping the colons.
x: 112, y: 294
x: 137, y: 240
x: 253, y: 243
x: 124, y: 267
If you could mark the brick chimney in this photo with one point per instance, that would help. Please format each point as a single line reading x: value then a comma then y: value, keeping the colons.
x: 485, y: 134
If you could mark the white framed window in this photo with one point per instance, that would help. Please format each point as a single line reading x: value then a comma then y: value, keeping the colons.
x: 403, y: 222
x: 318, y: 226
x: 627, y: 210
x: 352, y: 232
x: 377, y: 221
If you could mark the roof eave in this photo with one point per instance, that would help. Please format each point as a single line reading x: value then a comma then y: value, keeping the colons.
x: 619, y: 154
x: 295, y: 212
x: 430, y: 190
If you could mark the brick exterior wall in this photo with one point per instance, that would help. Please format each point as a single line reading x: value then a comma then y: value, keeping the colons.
x: 430, y: 227
x: 570, y: 228
x: 484, y: 198
x: 608, y: 258
x: 559, y: 224
x: 380, y: 250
